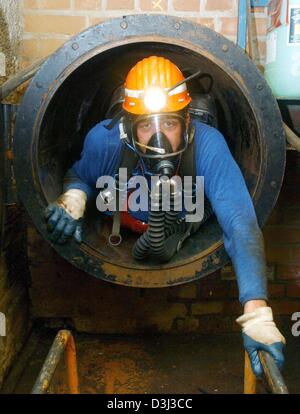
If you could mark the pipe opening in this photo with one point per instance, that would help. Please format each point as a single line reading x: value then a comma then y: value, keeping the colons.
x: 82, y: 100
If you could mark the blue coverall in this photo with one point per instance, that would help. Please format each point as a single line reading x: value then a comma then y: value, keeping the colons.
x: 224, y: 186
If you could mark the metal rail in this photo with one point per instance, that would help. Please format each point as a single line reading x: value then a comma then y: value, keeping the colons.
x: 271, y: 372
x: 63, y: 343
x: 249, y: 377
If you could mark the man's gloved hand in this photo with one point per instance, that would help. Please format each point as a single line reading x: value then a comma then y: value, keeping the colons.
x: 261, y: 333
x: 64, y: 216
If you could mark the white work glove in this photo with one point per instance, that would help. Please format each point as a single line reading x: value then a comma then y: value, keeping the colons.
x: 64, y: 216
x: 261, y: 333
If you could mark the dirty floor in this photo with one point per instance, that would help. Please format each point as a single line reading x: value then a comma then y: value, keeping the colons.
x: 202, y: 364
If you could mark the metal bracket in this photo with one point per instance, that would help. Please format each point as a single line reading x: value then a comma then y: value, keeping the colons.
x: 242, y: 19
x: 259, y: 3
x: 242, y: 24
x: 8, y: 114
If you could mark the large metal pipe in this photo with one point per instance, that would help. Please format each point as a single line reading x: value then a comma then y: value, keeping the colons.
x: 14, y: 82
x: 72, y: 91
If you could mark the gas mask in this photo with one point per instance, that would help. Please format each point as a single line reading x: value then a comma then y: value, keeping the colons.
x: 160, y: 139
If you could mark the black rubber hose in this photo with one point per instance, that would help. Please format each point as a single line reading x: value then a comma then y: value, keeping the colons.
x: 165, y: 232
x: 153, y: 238
x: 153, y: 242
x: 156, y: 232
x: 141, y: 247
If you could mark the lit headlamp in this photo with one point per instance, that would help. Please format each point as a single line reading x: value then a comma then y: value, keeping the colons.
x: 155, y: 99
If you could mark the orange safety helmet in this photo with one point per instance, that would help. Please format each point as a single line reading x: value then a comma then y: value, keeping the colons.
x: 147, y: 85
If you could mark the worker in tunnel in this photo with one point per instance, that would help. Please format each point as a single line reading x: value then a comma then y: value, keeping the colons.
x: 158, y: 134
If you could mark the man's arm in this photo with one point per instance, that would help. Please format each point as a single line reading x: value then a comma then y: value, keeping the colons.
x: 73, y: 181
x: 226, y: 189
x: 92, y: 164
x: 64, y: 216
x: 251, y: 305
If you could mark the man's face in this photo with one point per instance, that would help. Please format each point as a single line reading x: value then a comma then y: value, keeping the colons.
x: 170, y: 125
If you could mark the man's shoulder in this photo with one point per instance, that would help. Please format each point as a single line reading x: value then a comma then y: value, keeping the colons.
x: 102, y: 129
x: 208, y: 138
x: 101, y: 135
x: 205, y: 131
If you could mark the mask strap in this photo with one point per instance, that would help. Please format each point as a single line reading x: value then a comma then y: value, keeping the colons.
x: 115, y: 119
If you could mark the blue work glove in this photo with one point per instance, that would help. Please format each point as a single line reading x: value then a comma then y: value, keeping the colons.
x: 64, y: 216
x: 261, y: 333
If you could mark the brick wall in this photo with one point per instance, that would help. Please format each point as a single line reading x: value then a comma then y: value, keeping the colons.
x: 62, y: 295
x: 49, y: 23
x: 282, y: 240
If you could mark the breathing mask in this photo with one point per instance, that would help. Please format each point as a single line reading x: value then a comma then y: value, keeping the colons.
x: 160, y: 139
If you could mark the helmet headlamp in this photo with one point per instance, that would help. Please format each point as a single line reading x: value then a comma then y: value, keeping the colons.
x: 155, y: 99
